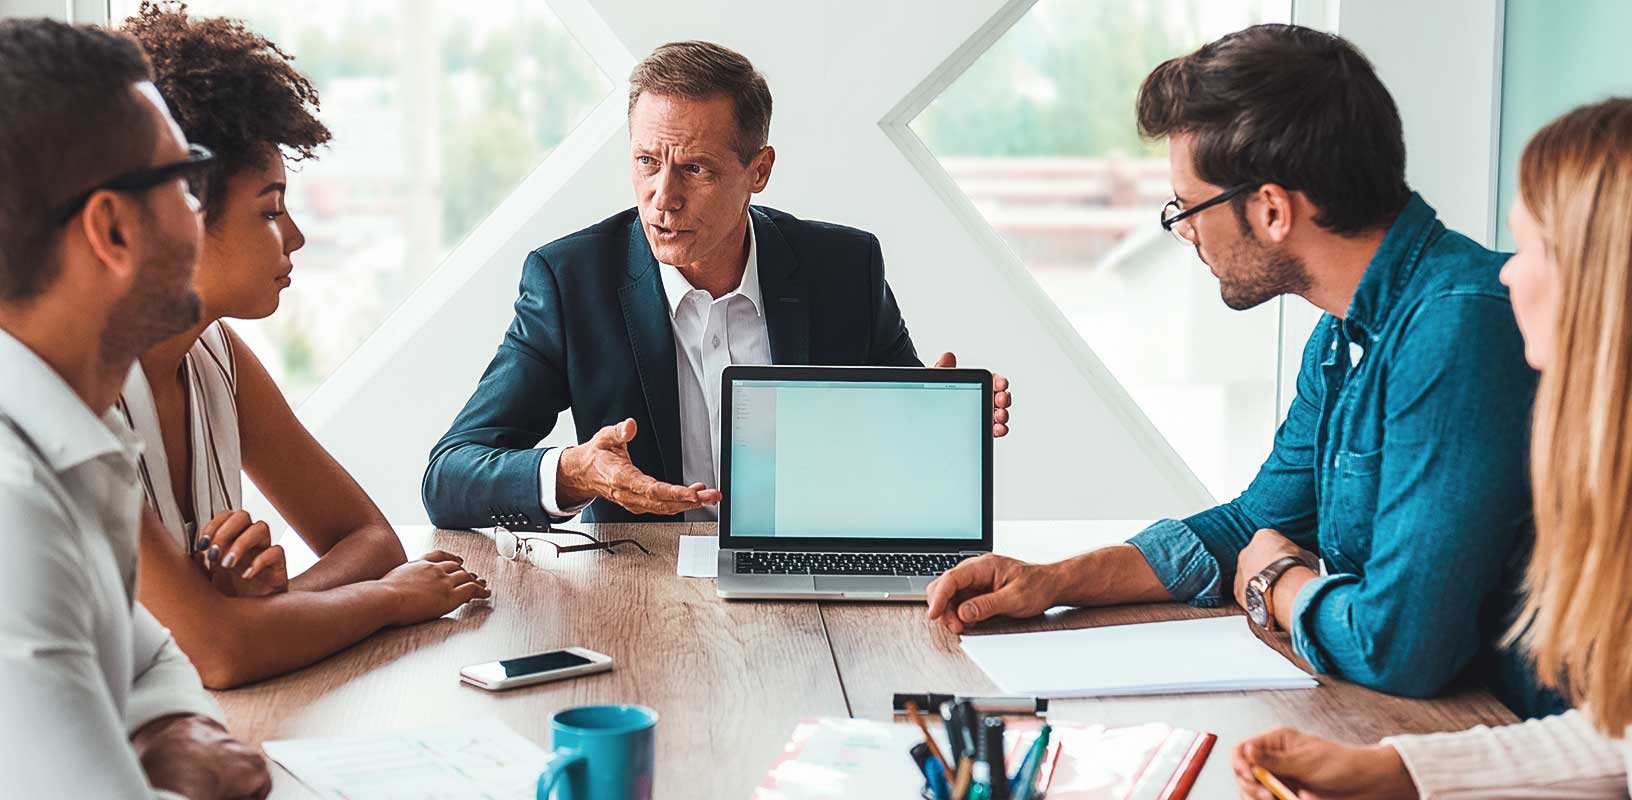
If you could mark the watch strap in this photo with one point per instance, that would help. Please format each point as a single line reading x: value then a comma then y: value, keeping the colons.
x: 1267, y: 578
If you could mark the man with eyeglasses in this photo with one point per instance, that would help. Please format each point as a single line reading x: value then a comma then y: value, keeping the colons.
x: 98, y: 236
x: 1387, y: 530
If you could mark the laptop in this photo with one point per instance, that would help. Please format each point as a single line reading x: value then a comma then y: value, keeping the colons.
x: 851, y: 483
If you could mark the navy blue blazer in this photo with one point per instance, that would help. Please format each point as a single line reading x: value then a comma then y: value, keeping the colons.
x: 592, y: 333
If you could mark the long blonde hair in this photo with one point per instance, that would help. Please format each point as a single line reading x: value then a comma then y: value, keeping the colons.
x: 1575, y: 178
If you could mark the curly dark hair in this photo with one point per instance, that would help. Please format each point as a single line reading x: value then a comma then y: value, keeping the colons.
x: 230, y: 89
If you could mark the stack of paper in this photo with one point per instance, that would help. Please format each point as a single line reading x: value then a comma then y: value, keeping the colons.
x: 483, y: 759
x: 1200, y: 655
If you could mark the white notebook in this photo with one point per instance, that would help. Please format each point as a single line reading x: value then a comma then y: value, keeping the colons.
x: 1200, y: 655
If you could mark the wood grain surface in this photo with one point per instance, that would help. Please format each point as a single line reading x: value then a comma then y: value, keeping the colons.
x: 730, y: 679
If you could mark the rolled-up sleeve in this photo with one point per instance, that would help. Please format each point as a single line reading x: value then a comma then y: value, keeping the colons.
x: 1195, y: 558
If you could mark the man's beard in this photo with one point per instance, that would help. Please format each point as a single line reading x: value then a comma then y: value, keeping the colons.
x: 1260, y: 273
x: 161, y: 303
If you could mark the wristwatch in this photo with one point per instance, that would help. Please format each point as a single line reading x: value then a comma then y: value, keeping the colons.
x: 1260, y: 608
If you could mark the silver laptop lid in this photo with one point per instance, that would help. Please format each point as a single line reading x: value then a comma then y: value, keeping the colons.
x: 852, y: 459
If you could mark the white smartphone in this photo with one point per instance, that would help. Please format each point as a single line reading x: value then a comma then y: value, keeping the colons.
x: 496, y: 676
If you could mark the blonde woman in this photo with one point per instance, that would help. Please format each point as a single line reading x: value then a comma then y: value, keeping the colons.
x: 1571, y: 285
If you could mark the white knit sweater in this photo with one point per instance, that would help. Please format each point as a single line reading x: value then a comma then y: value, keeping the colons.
x: 1560, y: 757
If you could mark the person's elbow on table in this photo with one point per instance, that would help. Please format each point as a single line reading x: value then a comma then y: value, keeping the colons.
x: 438, y: 489
x: 1418, y: 664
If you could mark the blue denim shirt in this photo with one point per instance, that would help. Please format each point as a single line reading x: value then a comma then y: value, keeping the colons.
x: 1403, y: 463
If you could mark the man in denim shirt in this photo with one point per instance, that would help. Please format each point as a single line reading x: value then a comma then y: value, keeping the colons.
x: 1402, y: 462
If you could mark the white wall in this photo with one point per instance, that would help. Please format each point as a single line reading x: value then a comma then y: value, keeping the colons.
x: 836, y: 68
x: 1441, y: 59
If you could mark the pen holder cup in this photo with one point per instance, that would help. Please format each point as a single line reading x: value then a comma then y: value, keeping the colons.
x: 601, y: 753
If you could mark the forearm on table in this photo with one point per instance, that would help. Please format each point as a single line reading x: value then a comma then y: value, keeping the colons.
x: 1108, y: 576
x: 466, y: 481
x: 364, y: 554
x: 1395, y: 637
x: 243, y: 640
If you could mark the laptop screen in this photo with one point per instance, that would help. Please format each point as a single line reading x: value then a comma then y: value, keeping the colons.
x: 837, y: 459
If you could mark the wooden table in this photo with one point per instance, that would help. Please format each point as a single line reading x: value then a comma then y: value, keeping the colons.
x: 730, y: 680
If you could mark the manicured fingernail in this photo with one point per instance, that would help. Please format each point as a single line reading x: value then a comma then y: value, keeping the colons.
x: 214, y: 554
x: 249, y: 573
x: 232, y: 558
x: 203, y: 542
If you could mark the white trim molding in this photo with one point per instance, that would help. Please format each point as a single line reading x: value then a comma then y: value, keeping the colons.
x: 897, y: 125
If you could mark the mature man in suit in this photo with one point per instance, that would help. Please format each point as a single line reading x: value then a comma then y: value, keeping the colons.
x: 630, y: 322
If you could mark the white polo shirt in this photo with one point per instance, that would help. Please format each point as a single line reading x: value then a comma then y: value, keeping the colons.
x: 82, y: 667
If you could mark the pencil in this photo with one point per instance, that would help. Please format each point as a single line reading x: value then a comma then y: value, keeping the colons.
x: 934, y: 749
x: 1273, y: 784
x: 960, y: 787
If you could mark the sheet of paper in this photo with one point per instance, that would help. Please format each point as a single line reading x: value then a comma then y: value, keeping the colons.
x: 699, y: 557
x: 480, y: 759
x: 1199, y: 655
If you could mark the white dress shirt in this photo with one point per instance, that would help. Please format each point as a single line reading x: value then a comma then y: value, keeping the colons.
x: 82, y: 667
x: 710, y: 334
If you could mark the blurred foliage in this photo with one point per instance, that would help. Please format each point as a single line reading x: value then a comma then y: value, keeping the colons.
x: 1062, y: 81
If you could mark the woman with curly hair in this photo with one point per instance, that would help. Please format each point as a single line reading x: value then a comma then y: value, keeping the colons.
x: 208, y: 409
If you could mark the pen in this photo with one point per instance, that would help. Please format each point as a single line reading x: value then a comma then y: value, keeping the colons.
x: 960, y: 786
x: 967, y: 720
x: 935, y: 775
x: 1273, y: 784
x: 954, y: 740
x: 991, y: 740
x: 985, y: 705
x: 1025, y: 779
x: 920, y: 755
x: 934, y: 751
x: 980, y: 782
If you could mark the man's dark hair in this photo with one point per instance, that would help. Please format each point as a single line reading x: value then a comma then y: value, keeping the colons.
x: 230, y: 90
x: 698, y: 70
x: 1291, y: 106
x: 68, y: 121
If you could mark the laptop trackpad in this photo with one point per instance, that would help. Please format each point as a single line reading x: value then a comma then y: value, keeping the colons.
x: 849, y: 583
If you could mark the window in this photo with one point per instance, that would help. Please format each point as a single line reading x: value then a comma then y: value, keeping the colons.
x: 438, y: 110
x: 1542, y: 77
x: 1040, y: 134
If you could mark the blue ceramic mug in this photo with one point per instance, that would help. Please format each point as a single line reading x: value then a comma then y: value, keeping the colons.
x: 601, y: 753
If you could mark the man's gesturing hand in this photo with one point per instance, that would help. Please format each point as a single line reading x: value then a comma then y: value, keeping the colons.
x: 601, y: 468
x: 991, y: 586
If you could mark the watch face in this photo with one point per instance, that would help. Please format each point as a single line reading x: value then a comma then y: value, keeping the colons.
x: 1255, y: 607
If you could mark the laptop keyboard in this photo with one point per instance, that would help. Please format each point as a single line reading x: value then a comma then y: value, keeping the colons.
x: 776, y: 562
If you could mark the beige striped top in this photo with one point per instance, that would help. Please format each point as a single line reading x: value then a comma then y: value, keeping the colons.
x: 1559, y: 757
x: 210, y: 372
